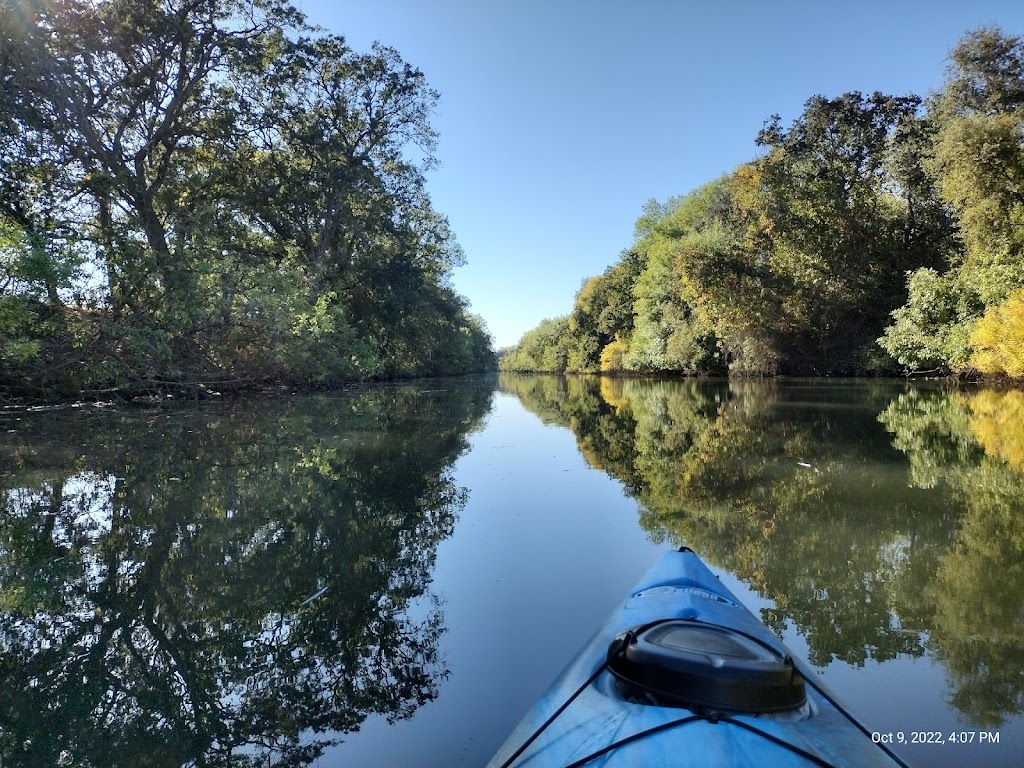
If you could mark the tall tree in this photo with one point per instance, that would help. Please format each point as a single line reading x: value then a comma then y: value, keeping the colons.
x: 244, y: 194
x: 841, y: 229
x: 978, y: 161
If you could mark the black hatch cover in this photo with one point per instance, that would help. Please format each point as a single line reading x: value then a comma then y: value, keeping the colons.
x: 705, y: 666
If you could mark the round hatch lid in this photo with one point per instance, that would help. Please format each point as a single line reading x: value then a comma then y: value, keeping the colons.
x: 705, y: 666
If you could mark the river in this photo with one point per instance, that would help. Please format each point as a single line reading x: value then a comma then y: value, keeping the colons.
x: 390, y: 576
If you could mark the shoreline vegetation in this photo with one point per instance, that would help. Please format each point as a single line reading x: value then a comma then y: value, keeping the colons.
x: 876, y: 235
x: 216, y: 197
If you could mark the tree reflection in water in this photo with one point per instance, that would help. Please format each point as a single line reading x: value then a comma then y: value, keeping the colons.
x: 232, y: 585
x: 970, y: 444
x: 882, y: 520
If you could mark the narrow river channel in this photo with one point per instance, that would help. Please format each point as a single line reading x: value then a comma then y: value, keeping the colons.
x: 391, y: 576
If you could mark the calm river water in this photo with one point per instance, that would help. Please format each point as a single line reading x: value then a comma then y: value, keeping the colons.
x: 391, y: 576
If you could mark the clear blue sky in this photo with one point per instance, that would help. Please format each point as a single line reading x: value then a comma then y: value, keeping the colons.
x: 560, y: 118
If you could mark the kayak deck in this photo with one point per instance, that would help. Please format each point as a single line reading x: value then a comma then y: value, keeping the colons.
x: 605, y: 724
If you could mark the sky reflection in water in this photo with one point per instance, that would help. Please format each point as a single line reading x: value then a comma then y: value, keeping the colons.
x: 417, y: 562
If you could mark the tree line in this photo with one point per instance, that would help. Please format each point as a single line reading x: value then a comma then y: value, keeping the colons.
x: 875, y: 234
x: 212, y: 193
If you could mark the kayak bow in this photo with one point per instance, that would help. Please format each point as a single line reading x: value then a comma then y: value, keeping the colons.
x: 683, y: 675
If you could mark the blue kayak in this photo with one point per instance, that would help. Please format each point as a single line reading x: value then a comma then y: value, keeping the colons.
x: 683, y: 675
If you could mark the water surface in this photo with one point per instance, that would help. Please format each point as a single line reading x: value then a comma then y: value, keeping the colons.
x: 392, y: 576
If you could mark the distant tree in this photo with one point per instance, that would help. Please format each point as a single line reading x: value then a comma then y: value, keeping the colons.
x: 720, y: 266
x: 542, y: 349
x: 667, y: 333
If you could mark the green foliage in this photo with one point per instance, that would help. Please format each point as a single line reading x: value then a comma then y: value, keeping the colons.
x: 667, y: 334
x: 932, y: 330
x: 977, y: 157
x: 718, y: 258
x: 16, y: 347
x: 602, y: 312
x: 542, y: 349
x: 584, y: 339
x: 843, y: 234
x: 222, y: 193
x: 985, y: 75
x: 617, y: 298
x: 981, y: 162
x: 790, y: 264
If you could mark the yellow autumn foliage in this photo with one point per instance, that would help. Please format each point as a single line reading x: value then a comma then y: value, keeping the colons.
x: 996, y: 419
x: 612, y: 392
x: 611, y: 356
x: 998, y: 338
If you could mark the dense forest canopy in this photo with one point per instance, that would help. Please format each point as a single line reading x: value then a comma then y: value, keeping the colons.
x: 875, y: 234
x: 206, y: 192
